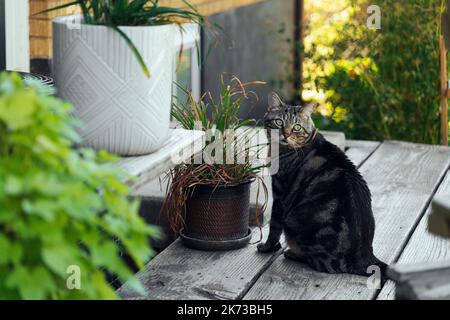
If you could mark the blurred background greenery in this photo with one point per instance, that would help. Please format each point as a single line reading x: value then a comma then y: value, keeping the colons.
x: 374, y: 84
x: 371, y: 84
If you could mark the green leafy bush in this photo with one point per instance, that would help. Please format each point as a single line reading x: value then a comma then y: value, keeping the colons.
x: 59, y: 206
x: 376, y: 84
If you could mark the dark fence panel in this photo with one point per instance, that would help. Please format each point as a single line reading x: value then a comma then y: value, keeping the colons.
x: 259, y: 45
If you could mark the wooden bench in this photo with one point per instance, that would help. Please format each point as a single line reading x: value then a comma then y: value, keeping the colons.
x: 403, y: 178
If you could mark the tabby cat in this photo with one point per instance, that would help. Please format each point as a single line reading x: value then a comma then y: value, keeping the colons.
x: 321, y: 201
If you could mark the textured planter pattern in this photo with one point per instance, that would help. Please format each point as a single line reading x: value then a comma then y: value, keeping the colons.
x: 218, y: 213
x: 122, y: 110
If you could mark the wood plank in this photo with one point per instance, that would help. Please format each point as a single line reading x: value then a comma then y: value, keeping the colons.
x: 41, y: 27
x: 387, y: 292
x: 359, y: 150
x: 182, y: 273
x: 423, y: 246
x: 439, y: 218
x: 402, y: 177
x: 335, y: 137
x: 433, y: 290
x: 421, y: 281
x: 401, y: 272
x: 181, y: 143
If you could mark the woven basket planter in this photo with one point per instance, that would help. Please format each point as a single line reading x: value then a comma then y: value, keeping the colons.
x: 217, y: 217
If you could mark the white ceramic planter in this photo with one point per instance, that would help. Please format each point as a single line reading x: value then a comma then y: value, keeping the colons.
x: 122, y: 110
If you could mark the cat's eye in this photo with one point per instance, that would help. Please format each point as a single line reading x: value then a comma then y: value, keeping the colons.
x: 297, y: 128
x: 278, y: 122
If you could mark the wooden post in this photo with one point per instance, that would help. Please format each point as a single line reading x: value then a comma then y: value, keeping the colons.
x: 298, y: 51
x: 444, y: 93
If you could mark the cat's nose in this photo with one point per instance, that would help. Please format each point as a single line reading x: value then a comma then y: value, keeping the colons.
x: 286, y: 133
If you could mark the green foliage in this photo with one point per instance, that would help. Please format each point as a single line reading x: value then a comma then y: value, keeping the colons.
x: 219, y: 118
x: 226, y: 138
x: 59, y: 206
x: 376, y: 84
x: 223, y: 113
x: 115, y: 13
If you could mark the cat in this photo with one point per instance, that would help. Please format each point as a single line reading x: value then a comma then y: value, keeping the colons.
x: 320, y: 200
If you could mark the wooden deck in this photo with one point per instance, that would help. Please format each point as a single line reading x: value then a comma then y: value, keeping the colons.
x: 403, y: 178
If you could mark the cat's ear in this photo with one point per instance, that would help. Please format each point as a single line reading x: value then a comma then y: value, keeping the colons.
x: 309, y: 109
x: 275, y: 102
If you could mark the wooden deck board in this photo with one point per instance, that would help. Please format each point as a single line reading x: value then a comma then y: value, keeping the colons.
x: 182, y: 273
x: 422, y: 246
x: 181, y: 143
x: 358, y: 150
x: 402, y: 178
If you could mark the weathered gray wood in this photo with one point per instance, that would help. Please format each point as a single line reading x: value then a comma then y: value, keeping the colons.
x: 335, y: 137
x: 358, y: 150
x: 441, y: 203
x: 426, y: 288
x: 182, y: 273
x: 181, y: 144
x: 439, y: 219
x: 402, y: 178
x: 401, y: 272
x: 421, y: 281
x: 438, y: 291
x: 423, y: 246
x: 387, y: 292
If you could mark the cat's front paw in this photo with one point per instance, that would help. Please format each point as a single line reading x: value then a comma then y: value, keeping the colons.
x: 268, y: 247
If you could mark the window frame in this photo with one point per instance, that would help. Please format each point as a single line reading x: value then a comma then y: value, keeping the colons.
x: 190, y: 37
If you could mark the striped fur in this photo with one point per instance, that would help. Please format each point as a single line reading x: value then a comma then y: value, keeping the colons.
x: 321, y: 201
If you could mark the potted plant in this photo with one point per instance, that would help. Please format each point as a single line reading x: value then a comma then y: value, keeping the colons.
x: 115, y: 63
x: 65, y: 213
x: 208, y: 201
